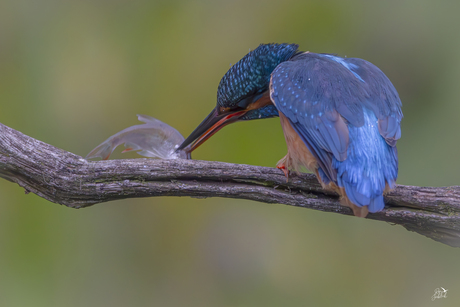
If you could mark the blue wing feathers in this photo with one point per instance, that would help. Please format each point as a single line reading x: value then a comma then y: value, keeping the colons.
x: 348, y: 114
x: 383, y: 100
x: 324, y: 157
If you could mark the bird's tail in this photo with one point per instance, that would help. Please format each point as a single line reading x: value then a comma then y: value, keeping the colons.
x: 371, y: 167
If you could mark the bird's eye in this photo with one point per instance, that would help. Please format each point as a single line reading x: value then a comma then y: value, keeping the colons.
x: 223, y: 110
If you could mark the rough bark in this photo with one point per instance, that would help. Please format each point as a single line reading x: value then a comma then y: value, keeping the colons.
x: 65, y: 178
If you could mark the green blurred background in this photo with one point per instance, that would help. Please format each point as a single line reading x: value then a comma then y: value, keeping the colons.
x: 73, y: 73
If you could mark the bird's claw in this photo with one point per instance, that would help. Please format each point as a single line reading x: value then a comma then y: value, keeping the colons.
x: 285, y: 170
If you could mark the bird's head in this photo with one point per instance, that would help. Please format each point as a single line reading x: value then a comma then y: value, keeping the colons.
x: 243, y: 92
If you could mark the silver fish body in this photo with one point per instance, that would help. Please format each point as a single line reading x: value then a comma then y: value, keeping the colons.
x: 154, y: 139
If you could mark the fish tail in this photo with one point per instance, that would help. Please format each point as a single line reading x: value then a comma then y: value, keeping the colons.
x: 103, y: 151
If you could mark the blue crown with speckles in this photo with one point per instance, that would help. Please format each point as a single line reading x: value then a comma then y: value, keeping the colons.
x: 251, y: 75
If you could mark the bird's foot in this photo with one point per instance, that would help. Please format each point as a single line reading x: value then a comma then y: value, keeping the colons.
x: 284, y: 169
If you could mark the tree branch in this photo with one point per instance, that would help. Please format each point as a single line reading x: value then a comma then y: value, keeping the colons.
x: 64, y: 178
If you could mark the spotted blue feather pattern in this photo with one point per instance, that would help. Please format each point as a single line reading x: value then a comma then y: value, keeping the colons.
x: 251, y: 75
x: 348, y: 114
x: 264, y: 112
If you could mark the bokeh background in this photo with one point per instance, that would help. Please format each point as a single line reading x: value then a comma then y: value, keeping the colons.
x: 74, y: 72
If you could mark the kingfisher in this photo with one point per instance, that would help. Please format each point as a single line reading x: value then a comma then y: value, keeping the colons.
x: 340, y: 117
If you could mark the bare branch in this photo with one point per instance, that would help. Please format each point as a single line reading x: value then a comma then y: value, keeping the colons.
x: 64, y: 178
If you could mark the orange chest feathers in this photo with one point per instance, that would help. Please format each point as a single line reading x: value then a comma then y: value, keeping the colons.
x: 298, y: 154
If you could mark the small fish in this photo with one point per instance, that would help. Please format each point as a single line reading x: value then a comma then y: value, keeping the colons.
x: 154, y: 139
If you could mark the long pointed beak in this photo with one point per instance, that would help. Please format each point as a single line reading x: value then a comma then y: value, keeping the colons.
x: 208, y: 127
